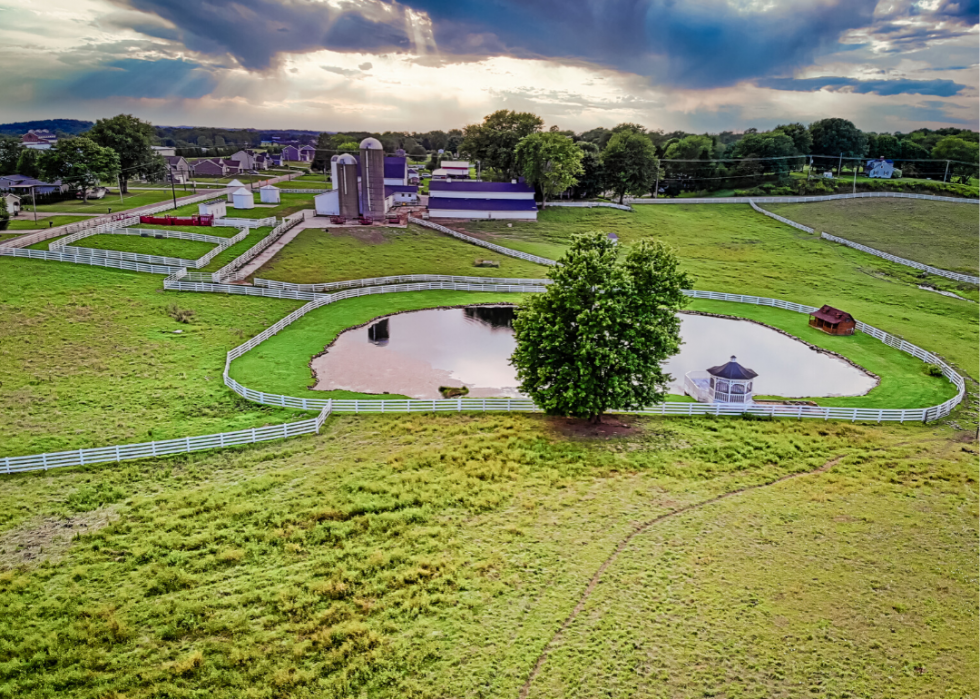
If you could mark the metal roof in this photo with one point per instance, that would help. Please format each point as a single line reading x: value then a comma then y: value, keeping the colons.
x: 474, y: 186
x: 482, y: 204
x: 732, y: 370
x: 829, y: 314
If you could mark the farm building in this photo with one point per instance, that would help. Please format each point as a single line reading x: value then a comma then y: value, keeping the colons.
x: 242, y: 199
x: 456, y: 169
x: 26, y: 185
x: 832, y: 321
x: 212, y: 167
x: 13, y: 204
x: 178, y: 168
x: 218, y: 208
x: 232, y: 167
x: 302, y: 154
x: 269, y: 194
x: 402, y: 194
x: 38, y: 139
x: 165, y: 151
x: 459, y: 199
x: 879, y: 168
x: 367, y: 185
x: 231, y: 188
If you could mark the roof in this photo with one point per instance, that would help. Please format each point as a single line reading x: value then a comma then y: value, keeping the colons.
x: 392, y: 188
x: 455, y: 164
x: 474, y: 186
x: 829, y: 314
x: 371, y: 144
x: 395, y: 167
x: 235, y: 183
x: 173, y: 159
x: 241, y: 190
x: 269, y: 188
x: 483, y: 204
x: 732, y: 370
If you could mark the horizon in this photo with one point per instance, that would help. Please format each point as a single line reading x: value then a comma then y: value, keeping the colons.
x: 379, y: 65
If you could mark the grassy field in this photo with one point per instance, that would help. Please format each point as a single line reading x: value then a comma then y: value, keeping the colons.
x: 89, y: 358
x: 313, y: 181
x: 255, y: 235
x: 735, y: 250
x: 327, y: 255
x: 168, y: 247
x: 422, y: 556
x: 931, y: 232
x: 289, y: 204
x: 111, y: 201
x: 29, y: 224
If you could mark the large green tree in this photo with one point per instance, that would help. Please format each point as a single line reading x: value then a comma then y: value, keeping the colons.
x: 27, y: 163
x: 494, y: 141
x: 10, y: 149
x: 802, y: 139
x: 549, y: 161
x: 595, y: 340
x: 631, y: 164
x: 592, y: 182
x: 131, y: 138
x: 836, y: 137
x: 956, y: 149
x: 80, y: 163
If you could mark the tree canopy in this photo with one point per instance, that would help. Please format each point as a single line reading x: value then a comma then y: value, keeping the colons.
x: 955, y: 148
x: 80, y: 163
x: 595, y: 340
x: 631, y: 164
x: 550, y: 161
x: 836, y: 136
x: 493, y: 142
x: 10, y: 149
x: 131, y: 138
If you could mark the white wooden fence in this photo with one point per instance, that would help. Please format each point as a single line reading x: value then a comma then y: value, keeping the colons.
x: 127, y: 265
x: 223, y: 244
x: 246, y: 222
x: 326, y: 287
x: 902, y: 261
x: 166, y: 447
x: 781, y: 219
x: 482, y: 243
x: 230, y: 271
x: 801, y: 200
x: 590, y: 205
x: 304, y: 191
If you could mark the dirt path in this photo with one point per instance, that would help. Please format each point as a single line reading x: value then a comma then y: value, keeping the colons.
x: 526, y: 688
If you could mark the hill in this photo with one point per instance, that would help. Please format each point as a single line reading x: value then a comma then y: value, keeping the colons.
x: 71, y: 127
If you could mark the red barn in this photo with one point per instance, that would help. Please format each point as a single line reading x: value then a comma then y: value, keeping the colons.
x: 832, y: 321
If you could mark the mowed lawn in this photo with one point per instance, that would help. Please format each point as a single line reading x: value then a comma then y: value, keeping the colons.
x: 934, y: 233
x: 136, y: 197
x: 438, y: 556
x: 90, y: 358
x: 336, y: 254
x: 167, y: 247
x: 22, y: 223
x: 289, y: 204
x: 733, y: 249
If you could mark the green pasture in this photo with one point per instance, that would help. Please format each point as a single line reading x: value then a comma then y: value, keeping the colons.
x: 289, y: 204
x: 254, y: 237
x: 167, y: 247
x: 23, y: 223
x: 135, y: 198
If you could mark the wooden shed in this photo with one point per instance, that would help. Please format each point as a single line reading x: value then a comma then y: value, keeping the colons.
x: 832, y: 321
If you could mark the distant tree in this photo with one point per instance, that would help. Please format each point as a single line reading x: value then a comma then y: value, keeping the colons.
x: 599, y: 136
x: 912, y: 150
x: 79, y: 163
x: 550, y: 161
x: 417, y: 151
x: 802, y: 139
x: 493, y: 142
x: 693, y: 175
x: 833, y: 137
x: 592, y: 181
x: 595, y: 340
x: 454, y: 140
x: 691, y: 148
x: 631, y: 164
x: 131, y: 138
x: 630, y: 127
x: 27, y: 163
x: 765, y: 153
x: 324, y: 151
x: 955, y: 148
x: 10, y: 149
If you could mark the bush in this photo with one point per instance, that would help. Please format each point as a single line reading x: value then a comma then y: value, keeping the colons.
x: 181, y: 315
x: 933, y: 370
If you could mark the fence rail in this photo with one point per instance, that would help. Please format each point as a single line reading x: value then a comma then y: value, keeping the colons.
x: 802, y: 200
x: 956, y: 276
x: 482, y: 243
x: 230, y: 271
x: 223, y: 244
x: 781, y: 219
x: 89, y: 260
x: 326, y: 287
x: 246, y: 222
x: 590, y: 205
x: 304, y: 191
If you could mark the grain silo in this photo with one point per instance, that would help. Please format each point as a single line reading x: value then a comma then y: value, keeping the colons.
x: 333, y: 171
x: 372, y: 178
x: 347, y: 184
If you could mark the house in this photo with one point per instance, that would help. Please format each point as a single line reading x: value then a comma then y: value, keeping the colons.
x: 401, y: 194
x: 298, y: 154
x: 879, y: 168
x: 413, y: 176
x: 13, y: 203
x: 179, y: 168
x: 275, y: 159
x: 232, y: 167
x: 481, y: 200
x: 38, y: 139
x: 209, y: 168
x: 307, y: 153
x: 261, y: 161
x: 165, y: 151
x: 290, y: 153
x: 396, y: 170
x: 456, y: 169
x: 832, y: 321
x: 250, y: 160
x: 27, y: 185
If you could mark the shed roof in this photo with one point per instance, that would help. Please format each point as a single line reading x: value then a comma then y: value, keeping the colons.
x: 477, y: 187
x: 483, y: 204
x: 732, y: 370
x: 235, y: 183
x: 410, y: 188
x: 829, y: 314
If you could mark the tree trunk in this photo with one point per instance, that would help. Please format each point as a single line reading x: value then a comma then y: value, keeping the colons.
x: 595, y: 419
x: 621, y: 195
x: 124, y: 185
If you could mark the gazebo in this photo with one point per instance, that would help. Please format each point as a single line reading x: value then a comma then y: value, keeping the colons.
x: 727, y: 383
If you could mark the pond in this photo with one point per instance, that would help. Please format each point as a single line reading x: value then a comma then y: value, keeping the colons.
x: 413, y: 354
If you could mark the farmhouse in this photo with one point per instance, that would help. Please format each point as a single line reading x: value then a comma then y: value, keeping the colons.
x: 250, y: 160
x: 209, y: 168
x: 832, y: 321
x: 879, y: 168
x: 20, y: 183
x: 456, y: 169
x: 178, y: 168
x: 301, y: 154
x: 482, y: 200
x: 38, y: 139
x: 402, y: 194
x: 232, y: 167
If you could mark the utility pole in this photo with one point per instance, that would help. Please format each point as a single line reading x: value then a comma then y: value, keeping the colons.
x: 656, y: 186
x: 945, y: 174
x: 119, y: 184
x: 173, y: 190
x: 855, y: 184
x: 34, y: 200
x: 839, y: 163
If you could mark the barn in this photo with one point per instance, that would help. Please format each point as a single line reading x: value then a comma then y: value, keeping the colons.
x: 482, y: 200
x: 832, y: 321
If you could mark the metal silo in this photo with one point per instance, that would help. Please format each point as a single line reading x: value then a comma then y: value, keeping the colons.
x: 347, y: 184
x: 333, y: 171
x: 372, y: 178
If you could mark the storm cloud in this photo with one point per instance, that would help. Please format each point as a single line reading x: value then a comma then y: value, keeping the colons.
x: 936, y: 88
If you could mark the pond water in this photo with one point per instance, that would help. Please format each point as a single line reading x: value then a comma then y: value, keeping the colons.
x: 413, y: 354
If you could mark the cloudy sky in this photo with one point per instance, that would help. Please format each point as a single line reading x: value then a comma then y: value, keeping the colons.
x: 699, y: 65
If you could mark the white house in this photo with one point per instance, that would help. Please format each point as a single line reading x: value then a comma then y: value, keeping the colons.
x: 164, y: 150
x: 481, y: 200
x: 243, y: 199
x: 879, y: 168
x: 456, y: 168
x: 401, y: 194
x: 218, y: 209
x: 269, y: 194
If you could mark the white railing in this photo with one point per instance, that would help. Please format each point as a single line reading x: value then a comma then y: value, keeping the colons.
x: 801, y: 200
x: 590, y: 205
x: 104, y: 224
x: 781, y: 219
x: 159, y: 233
x: 326, y: 287
x: 223, y: 244
x: 246, y: 222
x: 181, y: 445
x: 88, y: 260
x: 902, y: 261
x: 697, y: 385
x: 230, y: 271
x: 304, y: 191
x: 482, y: 243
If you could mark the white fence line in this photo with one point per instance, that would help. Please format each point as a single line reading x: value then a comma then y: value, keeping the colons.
x: 230, y: 271
x: 326, y: 287
x: 223, y: 244
x: 162, y: 233
x: 181, y: 445
x: 902, y: 261
x: 482, y: 243
x: 246, y: 222
x: 88, y: 260
x: 479, y: 404
x: 781, y: 219
x: 304, y: 191
x: 801, y: 200
x: 590, y: 205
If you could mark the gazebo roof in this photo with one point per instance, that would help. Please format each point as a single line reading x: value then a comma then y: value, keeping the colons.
x: 732, y: 370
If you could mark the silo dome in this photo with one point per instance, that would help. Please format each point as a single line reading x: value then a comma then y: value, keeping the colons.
x: 346, y: 158
x: 371, y: 144
x: 334, y: 158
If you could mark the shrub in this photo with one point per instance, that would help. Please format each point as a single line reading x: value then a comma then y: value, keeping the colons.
x: 932, y: 370
x: 181, y: 315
